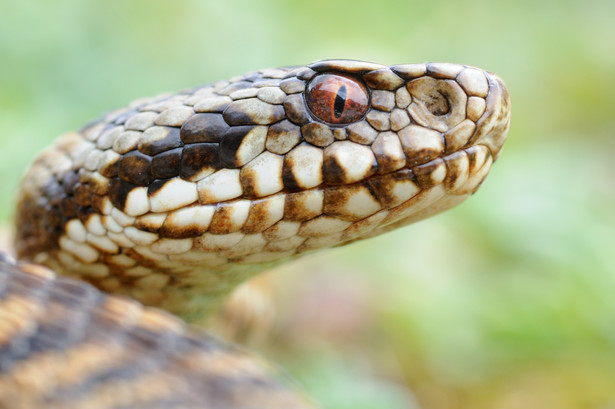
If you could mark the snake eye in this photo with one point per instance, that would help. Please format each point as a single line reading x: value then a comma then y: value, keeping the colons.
x: 337, y: 99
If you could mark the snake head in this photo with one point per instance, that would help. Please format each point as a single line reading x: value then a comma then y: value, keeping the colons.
x: 194, y: 191
x: 397, y: 144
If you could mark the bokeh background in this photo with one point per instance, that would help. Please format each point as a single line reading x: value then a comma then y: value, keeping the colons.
x: 506, y: 302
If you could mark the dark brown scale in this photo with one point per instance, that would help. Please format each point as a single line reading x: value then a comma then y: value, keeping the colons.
x: 337, y: 99
x: 197, y: 157
x: 135, y: 168
x: 172, y: 140
x: 35, y: 235
x: 386, y: 164
x: 472, y: 153
x: 255, y: 223
x: 155, y: 186
x: 173, y: 232
x: 148, y: 227
x: 220, y: 222
x: 423, y: 173
x: 110, y: 170
x: 294, y: 208
x: 230, y: 144
x: 334, y: 196
x: 84, y: 213
x: 453, y: 172
x: 288, y: 177
x: 55, y: 218
x: 82, y: 195
x: 98, y: 203
x: 118, y: 192
x: 166, y: 165
x: 237, y: 113
x: 334, y: 173
x: 381, y: 185
x: 68, y: 207
x: 249, y: 178
x: 204, y: 128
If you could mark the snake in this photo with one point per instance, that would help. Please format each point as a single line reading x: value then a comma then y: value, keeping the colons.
x: 130, y: 231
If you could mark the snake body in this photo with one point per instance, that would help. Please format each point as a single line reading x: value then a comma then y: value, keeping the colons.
x: 176, y: 199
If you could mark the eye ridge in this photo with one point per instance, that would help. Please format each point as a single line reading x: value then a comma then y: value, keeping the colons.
x: 340, y: 102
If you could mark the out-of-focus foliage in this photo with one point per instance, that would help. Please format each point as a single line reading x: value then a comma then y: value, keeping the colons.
x: 505, y: 302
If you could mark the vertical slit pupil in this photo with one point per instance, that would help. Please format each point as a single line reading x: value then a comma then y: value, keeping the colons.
x: 340, y: 102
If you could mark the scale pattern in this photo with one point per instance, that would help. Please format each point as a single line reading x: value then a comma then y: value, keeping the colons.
x: 176, y: 199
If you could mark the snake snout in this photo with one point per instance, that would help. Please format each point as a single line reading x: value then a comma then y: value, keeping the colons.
x: 492, y: 128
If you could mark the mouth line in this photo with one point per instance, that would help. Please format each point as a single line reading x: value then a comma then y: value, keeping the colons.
x: 425, y: 175
x: 433, y: 172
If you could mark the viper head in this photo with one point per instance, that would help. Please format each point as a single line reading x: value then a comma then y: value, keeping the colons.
x: 183, y: 192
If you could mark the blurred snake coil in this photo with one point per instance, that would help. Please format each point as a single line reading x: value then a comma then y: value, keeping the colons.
x: 174, y: 200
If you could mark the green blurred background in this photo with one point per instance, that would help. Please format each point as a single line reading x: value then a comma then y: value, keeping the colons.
x: 505, y: 302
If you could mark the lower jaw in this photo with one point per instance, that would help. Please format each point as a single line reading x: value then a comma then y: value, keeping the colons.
x: 441, y: 184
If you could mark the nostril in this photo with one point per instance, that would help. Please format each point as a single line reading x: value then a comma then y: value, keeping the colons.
x: 436, y: 103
